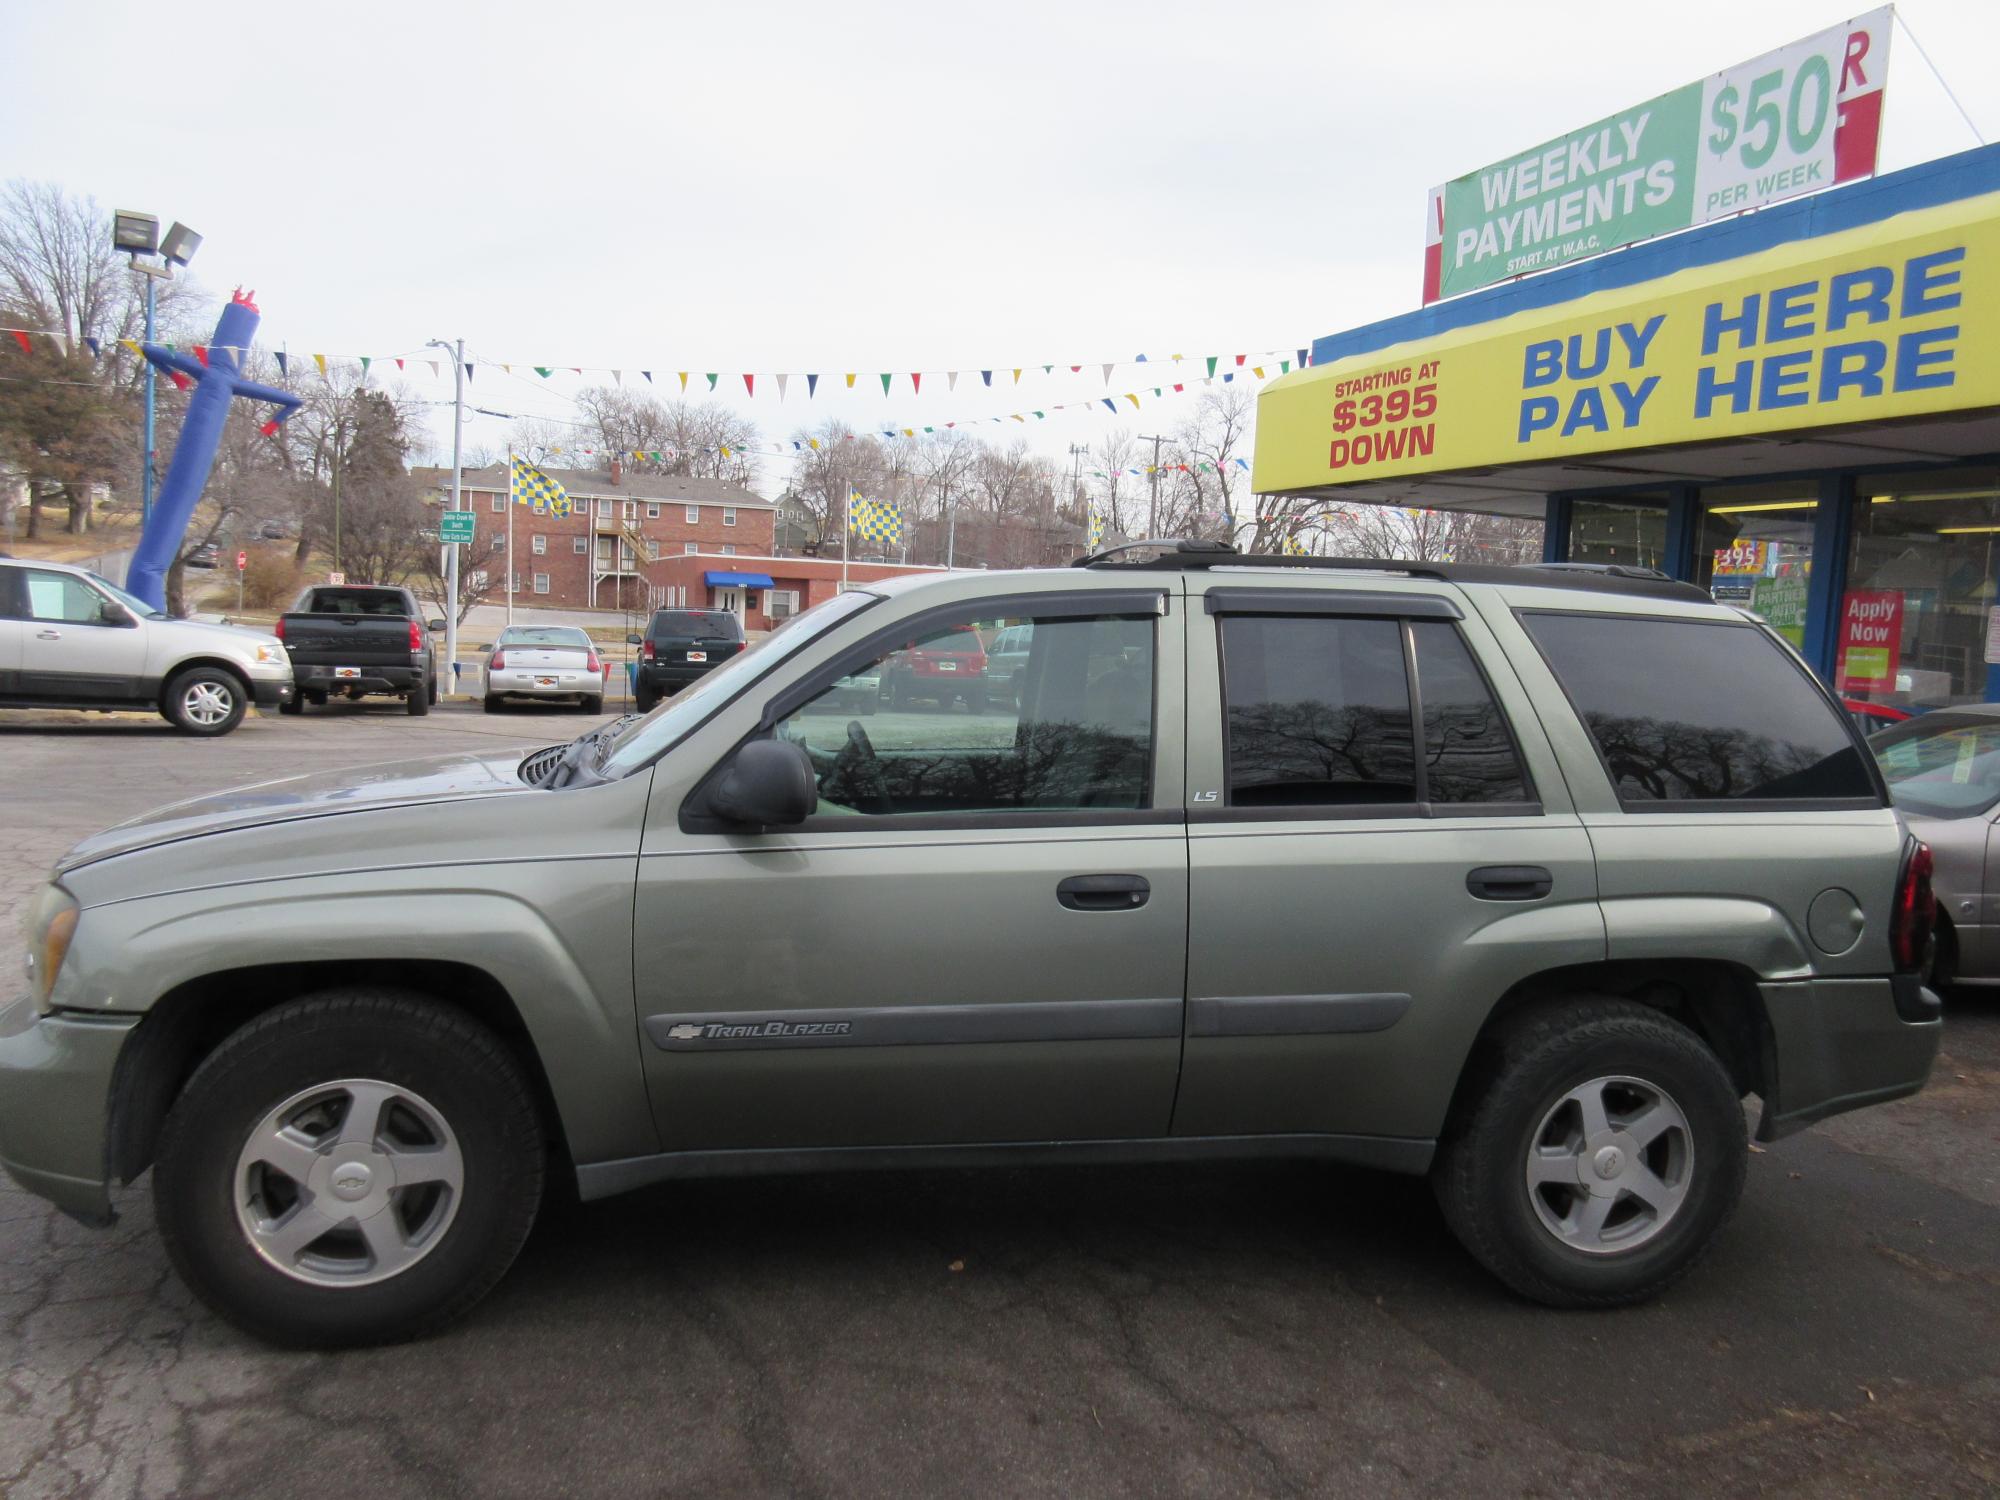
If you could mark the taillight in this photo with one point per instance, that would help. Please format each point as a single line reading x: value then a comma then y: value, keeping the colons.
x: 499, y: 661
x: 416, y: 636
x: 591, y: 663
x: 279, y: 629
x: 646, y: 648
x: 1916, y: 909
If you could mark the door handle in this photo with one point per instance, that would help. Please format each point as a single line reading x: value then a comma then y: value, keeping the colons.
x: 48, y: 635
x: 1510, y: 882
x: 1104, y: 892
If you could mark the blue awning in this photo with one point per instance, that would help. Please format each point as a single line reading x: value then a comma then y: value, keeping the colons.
x: 717, y: 578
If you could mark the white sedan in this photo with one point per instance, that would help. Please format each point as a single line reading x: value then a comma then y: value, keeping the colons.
x: 546, y: 662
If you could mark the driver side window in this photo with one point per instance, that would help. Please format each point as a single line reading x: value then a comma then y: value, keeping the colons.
x: 989, y: 715
x: 61, y: 599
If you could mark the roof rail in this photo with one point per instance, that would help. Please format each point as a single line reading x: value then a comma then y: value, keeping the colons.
x: 1182, y: 554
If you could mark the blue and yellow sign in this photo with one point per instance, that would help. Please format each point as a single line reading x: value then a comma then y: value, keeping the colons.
x: 1895, y: 319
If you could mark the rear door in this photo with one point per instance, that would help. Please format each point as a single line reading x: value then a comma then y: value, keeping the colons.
x: 13, y: 630
x: 78, y: 645
x: 1380, y: 846
x: 980, y: 936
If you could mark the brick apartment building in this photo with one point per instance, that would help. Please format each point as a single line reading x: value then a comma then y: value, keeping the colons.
x: 638, y: 542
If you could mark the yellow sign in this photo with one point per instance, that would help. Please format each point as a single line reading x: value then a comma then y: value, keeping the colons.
x: 1895, y: 319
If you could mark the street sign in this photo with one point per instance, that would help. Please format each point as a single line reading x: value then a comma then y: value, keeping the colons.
x: 242, y: 561
x: 335, y: 580
x: 455, y: 526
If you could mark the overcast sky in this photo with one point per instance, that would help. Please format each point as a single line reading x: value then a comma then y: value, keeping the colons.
x: 810, y: 187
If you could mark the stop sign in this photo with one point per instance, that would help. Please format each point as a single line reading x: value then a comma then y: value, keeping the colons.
x: 242, y: 561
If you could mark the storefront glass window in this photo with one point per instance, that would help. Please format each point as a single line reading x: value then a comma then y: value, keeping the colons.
x: 1630, y: 530
x: 1755, y: 549
x: 1917, y: 625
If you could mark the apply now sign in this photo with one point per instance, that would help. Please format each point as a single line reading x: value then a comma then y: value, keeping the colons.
x: 1892, y: 319
x: 1792, y: 121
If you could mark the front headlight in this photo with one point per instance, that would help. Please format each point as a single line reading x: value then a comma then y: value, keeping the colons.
x: 51, y: 925
x: 270, y: 655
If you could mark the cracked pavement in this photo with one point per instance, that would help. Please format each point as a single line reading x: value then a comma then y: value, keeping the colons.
x: 1264, y: 1329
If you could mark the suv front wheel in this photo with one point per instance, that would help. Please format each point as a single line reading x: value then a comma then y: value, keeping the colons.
x: 1597, y: 1157
x: 356, y: 1167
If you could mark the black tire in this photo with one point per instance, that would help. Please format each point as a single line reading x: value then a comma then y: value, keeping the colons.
x: 193, y: 696
x: 1480, y: 1175
x: 643, y: 700
x: 433, y: 693
x: 444, y: 1057
x: 417, y: 702
x: 296, y: 704
x: 1940, y: 966
x: 317, y: 700
x: 492, y: 703
x: 594, y: 704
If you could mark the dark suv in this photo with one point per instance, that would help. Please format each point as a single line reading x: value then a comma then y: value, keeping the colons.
x: 679, y: 646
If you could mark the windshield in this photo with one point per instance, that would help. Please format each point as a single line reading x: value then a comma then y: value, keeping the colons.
x: 132, y: 602
x: 545, y: 635
x: 1942, y: 766
x: 674, y: 719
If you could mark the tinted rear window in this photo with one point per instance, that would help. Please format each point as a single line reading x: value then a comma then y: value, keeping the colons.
x: 698, y: 622
x: 337, y: 601
x: 1694, y: 711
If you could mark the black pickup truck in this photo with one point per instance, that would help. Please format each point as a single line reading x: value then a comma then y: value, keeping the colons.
x: 357, y: 639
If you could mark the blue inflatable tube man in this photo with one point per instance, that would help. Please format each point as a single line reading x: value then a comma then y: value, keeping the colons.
x: 216, y: 377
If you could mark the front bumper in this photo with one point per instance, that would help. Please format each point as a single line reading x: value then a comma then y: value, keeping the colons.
x: 529, y: 684
x: 1842, y: 1044
x: 55, y: 1088
x: 270, y: 694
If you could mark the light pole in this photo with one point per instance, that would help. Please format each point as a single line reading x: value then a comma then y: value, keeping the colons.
x: 139, y: 234
x: 457, y: 503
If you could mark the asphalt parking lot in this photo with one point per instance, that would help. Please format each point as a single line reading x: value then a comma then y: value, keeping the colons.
x: 1217, y: 1330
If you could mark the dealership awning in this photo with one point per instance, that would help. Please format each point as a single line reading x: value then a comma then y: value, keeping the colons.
x: 1848, y: 346
x: 719, y: 579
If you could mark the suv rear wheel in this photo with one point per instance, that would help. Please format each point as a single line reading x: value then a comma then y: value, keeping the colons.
x: 356, y: 1167
x: 1597, y: 1158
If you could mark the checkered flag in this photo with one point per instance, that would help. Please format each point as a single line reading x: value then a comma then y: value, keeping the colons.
x: 530, y: 486
x: 875, y: 521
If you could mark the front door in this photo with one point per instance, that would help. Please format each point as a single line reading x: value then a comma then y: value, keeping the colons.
x: 78, y: 644
x: 730, y: 599
x: 1380, y: 847
x: 979, y: 937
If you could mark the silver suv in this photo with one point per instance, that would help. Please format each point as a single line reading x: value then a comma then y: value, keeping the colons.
x: 1520, y: 878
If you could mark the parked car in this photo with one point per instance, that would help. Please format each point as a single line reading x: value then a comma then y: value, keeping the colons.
x: 951, y: 668
x: 360, y: 639
x: 543, y: 663
x: 1873, y: 718
x: 207, y: 555
x: 69, y: 639
x: 1406, y: 865
x: 681, y: 646
x: 1007, y: 664
x: 1943, y: 771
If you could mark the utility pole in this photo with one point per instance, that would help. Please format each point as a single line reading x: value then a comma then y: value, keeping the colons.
x: 1153, y: 505
x: 339, y: 437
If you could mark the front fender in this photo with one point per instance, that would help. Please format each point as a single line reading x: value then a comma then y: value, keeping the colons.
x: 555, y: 935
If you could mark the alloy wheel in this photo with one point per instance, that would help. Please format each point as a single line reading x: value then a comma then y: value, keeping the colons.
x: 348, y: 1183
x: 208, y: 703
x: 1610, y: 1165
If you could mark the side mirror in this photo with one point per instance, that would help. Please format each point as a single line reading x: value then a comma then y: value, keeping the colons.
x: 437, y: 627
x: 769, y: 784
x: 116, y: 616
x: 635, y: 640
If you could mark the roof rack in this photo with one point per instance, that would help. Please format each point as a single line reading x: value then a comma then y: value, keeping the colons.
x: 1183, y: 554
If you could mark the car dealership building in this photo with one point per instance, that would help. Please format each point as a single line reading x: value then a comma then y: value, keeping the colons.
x: 1797, y: 408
